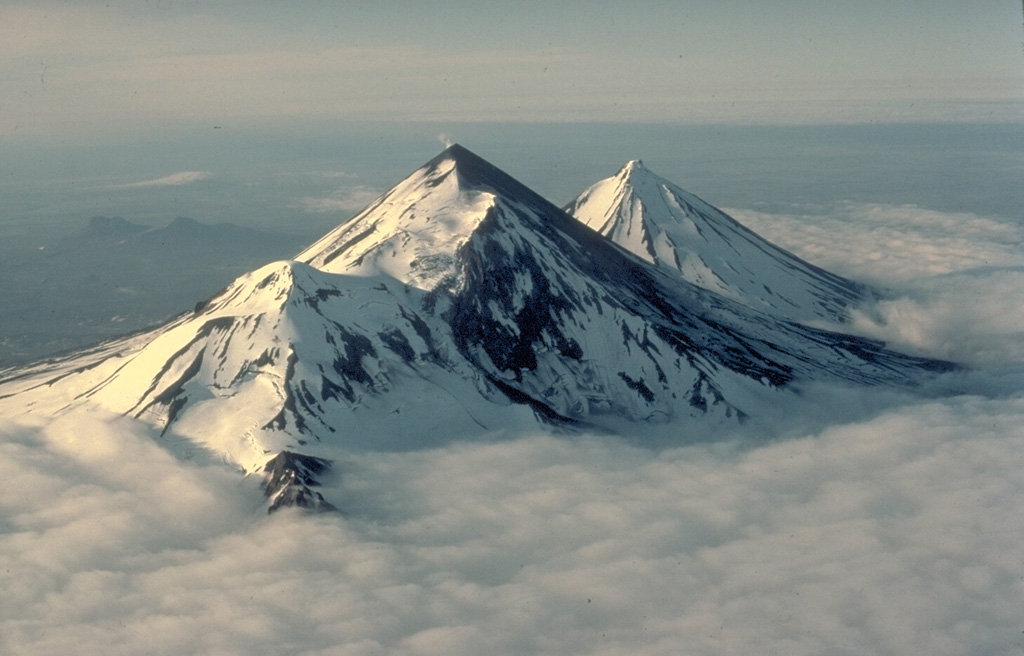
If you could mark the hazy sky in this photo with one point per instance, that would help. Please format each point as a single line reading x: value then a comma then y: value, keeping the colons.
x: 69, y: 67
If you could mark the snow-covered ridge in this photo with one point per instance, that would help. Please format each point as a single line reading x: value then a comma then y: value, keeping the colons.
x: 675, y: 230
x: 458, y: 304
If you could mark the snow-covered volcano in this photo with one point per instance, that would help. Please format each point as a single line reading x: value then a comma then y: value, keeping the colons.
x: 458, y: 304
x: 669, y: 227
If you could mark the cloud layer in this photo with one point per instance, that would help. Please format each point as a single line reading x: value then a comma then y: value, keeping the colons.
x: 954, y: 282
x: 898, y: 534
x: 892, y: 243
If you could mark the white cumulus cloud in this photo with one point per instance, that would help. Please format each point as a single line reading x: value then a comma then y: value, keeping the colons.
x: 173, y: 180
x: 890, y: 243
x: 347, y: 199
x: 975, y: 318
x: 953, y: 282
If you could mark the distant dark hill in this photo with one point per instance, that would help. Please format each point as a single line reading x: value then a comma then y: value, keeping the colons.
x: 183, y: 236
x: 109, y: 227
x: 113, y: 276
x: 186, y: 232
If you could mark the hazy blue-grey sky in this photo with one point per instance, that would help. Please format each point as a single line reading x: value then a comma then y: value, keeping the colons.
x: 70, y: 67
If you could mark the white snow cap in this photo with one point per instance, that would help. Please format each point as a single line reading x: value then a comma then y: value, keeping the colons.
x: 677, y: 231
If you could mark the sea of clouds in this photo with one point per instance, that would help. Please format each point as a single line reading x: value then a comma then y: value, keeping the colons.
x: 952, y: 284
x: 894, y: 527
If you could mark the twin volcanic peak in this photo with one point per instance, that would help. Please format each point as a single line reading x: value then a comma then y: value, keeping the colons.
x: 460, y: 304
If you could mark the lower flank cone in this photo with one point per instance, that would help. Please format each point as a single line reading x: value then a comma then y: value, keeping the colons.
x: 523, y: 317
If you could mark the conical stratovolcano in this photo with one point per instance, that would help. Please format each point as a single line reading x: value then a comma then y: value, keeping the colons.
x: 661, y: 223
